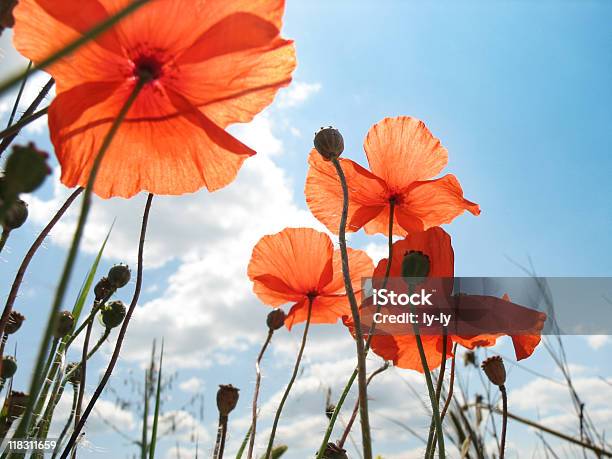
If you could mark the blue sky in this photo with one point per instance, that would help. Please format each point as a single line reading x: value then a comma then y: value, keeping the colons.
x: 519, y: 93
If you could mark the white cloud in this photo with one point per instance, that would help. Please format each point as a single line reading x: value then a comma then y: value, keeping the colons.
x: 297, y: 93
x: 596, y: 342
x: 192, y: 385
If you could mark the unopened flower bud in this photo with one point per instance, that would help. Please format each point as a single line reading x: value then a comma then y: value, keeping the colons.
x: 64, y: 324
x: 16, y: 215
x: 25, y: 170
x: 113, y: 313
x: 119, y: 275
x: 495, y: 370
x: 329, y: 143
x: 103, y: 289
x: 73, y: 371
x: 15, y: 405
x: 333, y: 451
x: 278, y: 451
x: 9, y: 367
x: 227, y: 399
x: 276, y: 319
x: 415, y: 265
x: 14, y: 322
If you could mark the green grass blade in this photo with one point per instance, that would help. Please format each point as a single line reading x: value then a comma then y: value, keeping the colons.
x: 157, y: 403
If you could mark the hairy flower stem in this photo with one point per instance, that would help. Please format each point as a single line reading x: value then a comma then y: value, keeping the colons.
x: 53, y: 362
x: 361, y: 361
x: 221, y: 434
x: 253, y: 428
x: 60, y: 439
x: 19, y: 94
x: 449, y: 397
x: 296, y: 368
x: 9, y: 134
x: 72, y: 254
x: 349, y: 384
x: 10, y: 301
x: 122, y: 332
x: 432, y: 426
x: 504, y: 394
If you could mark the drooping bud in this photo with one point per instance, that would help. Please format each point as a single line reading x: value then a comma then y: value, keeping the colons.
x: 119, y: 275
x: 73, y: 371
x: 415, y: 265
x: 16, y: 215
x: 14, y: 322
x: 495, y: 370
x: 25, y: 170
x: 113, y: 313
x: 329, y: 143
x: 9, y: 367
x: 15, y: 405
x: 64, y: 324
x: 227, y: 399
x: 333, y: 451
x: 278, y: 451
x: 103, y: 289
x: 276, y: 319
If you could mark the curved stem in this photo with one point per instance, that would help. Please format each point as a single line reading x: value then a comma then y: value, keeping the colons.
x: 432, y: 426
x: 19, y: 94
x: 361, y: 362
x: 72, y: 253
x: 3, y: 238
x: 60, y: 439
x: 13, y: 130
x: 296, y: 368
x: 349, y: 384
x: 120, y: 338
x: 253, y: 428
x: 502, y: 389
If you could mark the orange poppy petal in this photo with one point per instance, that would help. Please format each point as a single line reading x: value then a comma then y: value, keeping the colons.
x: 402, y: 150
x: 324, y: 193
x: 524, y: 345
x: 360, y: 266
x: 325, y: 310
x: 472, y: 342
x: 435, y: 243
x: 433, y: 203
x: 298, y: 257
x: 404, y: 352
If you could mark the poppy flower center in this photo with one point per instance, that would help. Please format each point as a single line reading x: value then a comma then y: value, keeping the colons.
x: 312, y: 294
x: 395, y: 198
x: 148, y: 67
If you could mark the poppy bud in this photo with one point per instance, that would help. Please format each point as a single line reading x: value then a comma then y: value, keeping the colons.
x: 469, y: 358
x: 112, y: 314
x: 119, y: 275
x: 415, y: 265
x: 64, y: 324
x: 16, y: 215
x: 227, y: 399
x: 278, y: 451
x: 329, y: 143
x: 103, y: 289
x: 25, y: 170
x: 6, y: 14
x: 9, y: 367
x: 15, y: 405
x: 14, y: 322
x: 73, y: 371
x: 276, y: 319
x: 333, y: 451
x: 495, y: 370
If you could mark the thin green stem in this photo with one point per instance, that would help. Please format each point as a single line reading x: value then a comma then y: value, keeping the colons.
x: 74, y: 248
x: 504, y: 394
x: 54, y: 359
x: 243, y: 445
x: 296, y: 368
x: 253, y: 428
x: 361, y: 362
x: 432, y: 426
x: 14, y: 129
x: 60, y: 439
x: 18, y: 98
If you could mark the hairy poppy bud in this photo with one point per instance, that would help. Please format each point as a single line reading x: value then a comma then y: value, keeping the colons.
x: 64, y: 324
x: 333, y: 451
x: 25, y: 170
x: 119, y: 275
x: 9, y: 367
x: 14, y: 322
x: 16, y: 215
x: 112, y: 314
x: 495, y: 370
x: 415, y: 265
x: 103, y: 289
x: 329, y: 143
x: 227, y: 399
x: 278, y: 451
x: 73, y: 371
x: 469, y: 358
x: 15, y: 405
x: 276, y: 319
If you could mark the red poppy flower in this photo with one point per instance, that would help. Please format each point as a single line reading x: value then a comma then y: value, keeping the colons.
x: 402, y: 154
x: 213, y: 63
x: 298, y: 263
x: 402, y: 349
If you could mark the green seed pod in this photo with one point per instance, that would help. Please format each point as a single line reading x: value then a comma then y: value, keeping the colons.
x: 112, y: 314
x: 416, y: 266
x: 329, y: 143
x: 16, y: 215
x: 9, y: 367
x: 64, y: 325
x: 25, y: 170
x: 119, y: 275
x: 103, y: 289
x: 278, y: 451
